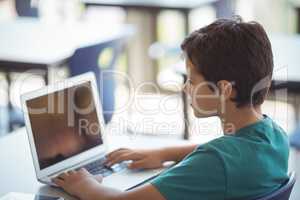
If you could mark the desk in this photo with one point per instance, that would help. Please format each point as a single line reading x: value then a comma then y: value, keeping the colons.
x: 28, y: 43
x: 160, y: 4
x: 17, y: 171
x: 153, y: 6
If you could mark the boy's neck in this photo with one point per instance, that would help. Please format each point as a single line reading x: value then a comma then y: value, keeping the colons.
x: 237, y: 118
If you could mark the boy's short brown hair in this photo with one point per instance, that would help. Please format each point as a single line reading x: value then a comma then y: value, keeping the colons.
x: 233, y: 50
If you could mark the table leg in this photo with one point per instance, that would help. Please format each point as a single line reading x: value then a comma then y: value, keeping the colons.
x: 186, y: 14
x: 296, y: 106
x: 46, y: 77
x: 9, y: 105
x: 186, y: 133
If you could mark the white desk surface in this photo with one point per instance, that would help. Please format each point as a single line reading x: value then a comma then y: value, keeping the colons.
x: 31, y: 40
x: 17, y: 171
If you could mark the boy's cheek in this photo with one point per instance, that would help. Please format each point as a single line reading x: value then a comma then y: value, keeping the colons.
x: 205, y: 107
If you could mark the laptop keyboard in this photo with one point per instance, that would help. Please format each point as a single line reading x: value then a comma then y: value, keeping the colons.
x: 97, y: 167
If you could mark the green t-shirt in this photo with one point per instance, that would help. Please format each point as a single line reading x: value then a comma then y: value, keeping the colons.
x: 250, y: 163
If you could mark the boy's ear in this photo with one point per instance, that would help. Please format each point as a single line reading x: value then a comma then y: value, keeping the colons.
x: 225, y: 88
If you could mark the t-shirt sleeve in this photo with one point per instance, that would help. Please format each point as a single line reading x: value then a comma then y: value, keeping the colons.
x: 199, y: 176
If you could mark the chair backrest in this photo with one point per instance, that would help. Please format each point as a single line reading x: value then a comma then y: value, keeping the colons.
x: 24, y: 8
x: 282, y: 193
x: 88, y: 58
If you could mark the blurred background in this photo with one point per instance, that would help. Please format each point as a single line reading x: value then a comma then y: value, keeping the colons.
x: 133, y: 48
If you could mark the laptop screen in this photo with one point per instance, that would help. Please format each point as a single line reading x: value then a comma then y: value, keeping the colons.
x: 64, y: 124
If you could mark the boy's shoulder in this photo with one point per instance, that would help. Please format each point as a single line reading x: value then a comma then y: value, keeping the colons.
x: 264, y: 133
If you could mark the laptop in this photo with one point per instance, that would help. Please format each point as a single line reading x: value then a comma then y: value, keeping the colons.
x: 65, y: 127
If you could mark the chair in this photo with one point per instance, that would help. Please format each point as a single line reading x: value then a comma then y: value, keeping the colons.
x: 24, y: 8
x: 88, y: 58
x: 11, y: 118
x: 295, y: 138
x: 282, y: 193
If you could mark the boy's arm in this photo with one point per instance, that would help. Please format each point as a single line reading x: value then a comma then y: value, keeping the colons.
x: 86, y: 187
x: 146, y: 192
x: 148, y: 159
x: 177, y: 153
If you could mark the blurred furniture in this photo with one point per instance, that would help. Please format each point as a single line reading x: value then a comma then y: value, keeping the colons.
x: 286, y: 79
x: 144, y: 15
x: 296, y: 5
x: 31, y: 46
x: 153, y: 7
x: 28, y: 45
x: 25, y: 9
x: 87, y: 59
x: 286, y: 75
x: 185, y: 103
x: 17, y: 171
x: 295, y: 138
x: 282, y: 193
x: 169, y: 74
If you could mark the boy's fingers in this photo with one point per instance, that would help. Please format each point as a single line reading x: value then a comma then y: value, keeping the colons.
x: 118, y: 159
x: 72, y: 172
x: 84, y: 171
x: 99, y: 178
x: 64, y: 175
x: 116, y: 153
x: 59, y: 182
x: 124, y: 157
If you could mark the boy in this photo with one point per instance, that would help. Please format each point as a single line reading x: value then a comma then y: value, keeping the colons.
x: 229, y: 65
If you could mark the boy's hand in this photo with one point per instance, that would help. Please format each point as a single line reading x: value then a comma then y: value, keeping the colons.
x: 141, y: 159
x: 77, y: 183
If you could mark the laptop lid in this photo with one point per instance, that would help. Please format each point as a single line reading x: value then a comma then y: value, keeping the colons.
x: 64, y: 124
